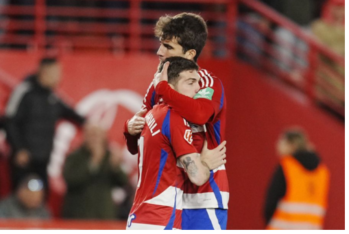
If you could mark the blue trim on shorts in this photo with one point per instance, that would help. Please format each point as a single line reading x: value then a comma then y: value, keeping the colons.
x: 198, y: 219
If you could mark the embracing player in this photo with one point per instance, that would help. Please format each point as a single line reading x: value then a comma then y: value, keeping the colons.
x: 185, y: 35
x: 166, y: 139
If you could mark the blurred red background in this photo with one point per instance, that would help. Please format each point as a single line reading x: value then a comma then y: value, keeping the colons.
x: 259, y: 108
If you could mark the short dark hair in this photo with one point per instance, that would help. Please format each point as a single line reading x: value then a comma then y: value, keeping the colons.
x: 47, y: 61
x: 296, y: 137
x: 177, y: 65
x: 189, y: 29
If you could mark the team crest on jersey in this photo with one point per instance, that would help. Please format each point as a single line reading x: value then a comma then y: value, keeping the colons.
x: 188, y: 136
x: 205, y: 93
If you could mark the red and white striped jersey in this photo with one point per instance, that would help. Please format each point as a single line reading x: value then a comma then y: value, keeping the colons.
x: 209, y: 103
x: 158, y: 200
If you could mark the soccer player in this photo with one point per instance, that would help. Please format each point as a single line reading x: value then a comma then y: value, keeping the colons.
x: 185, y: 35
x: 165, y: 139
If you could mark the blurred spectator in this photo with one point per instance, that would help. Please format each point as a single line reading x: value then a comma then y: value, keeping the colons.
x: 301, y: 12
x: 27, y: 202
x: 291, y: 51
x: 32, y: 113
x: 329, y: 29
x: 251, y: 39
x: 90, y: 173
x: 297, y: 195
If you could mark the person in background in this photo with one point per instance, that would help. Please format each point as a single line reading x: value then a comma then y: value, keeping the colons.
x: 329, y: 29
x: 297, y: 195
x: 90, y: 173
x: 32, y: 113
x: 27, y: 202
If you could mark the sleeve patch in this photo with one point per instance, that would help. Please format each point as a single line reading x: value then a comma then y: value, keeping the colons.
x: 188, y: 136
x: 205, y: 93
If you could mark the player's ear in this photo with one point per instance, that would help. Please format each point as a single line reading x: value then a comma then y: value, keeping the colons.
x: 190, y: 54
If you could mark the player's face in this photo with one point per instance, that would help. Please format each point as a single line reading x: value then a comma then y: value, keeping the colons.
x: 188, y: 83
x: 170, y: 48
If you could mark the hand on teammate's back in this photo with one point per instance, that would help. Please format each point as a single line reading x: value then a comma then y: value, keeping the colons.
x: 215, y: 157
x: 136, y: 124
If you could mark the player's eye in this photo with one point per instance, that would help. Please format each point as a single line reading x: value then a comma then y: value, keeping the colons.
x: 168, y: 47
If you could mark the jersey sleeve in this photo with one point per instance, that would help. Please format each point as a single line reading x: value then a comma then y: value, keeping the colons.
x: 150, y: 98
x: 181, y: 136
x: 205, y: 106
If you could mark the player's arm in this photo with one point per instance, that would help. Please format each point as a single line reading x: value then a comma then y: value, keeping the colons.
x: 198, y: 110
x: 134, y: 126
x: 198, y: 173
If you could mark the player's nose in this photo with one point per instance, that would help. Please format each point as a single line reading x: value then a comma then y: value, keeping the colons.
x: 160, y: 52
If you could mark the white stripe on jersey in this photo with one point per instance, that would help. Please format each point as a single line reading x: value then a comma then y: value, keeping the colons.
x: 214, y: 220
x: 204, y: 79
x: 143, y: 226
x: 16, y: 98
x: 167, y: 197
x: 220, y: 168
x: 204, y: 200
x: 209, y: 76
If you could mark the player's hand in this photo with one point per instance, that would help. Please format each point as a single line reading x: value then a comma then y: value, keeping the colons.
x: 215, y: 157
x: 22, y: 158
x: 136, y: 124
x: 161, y: 76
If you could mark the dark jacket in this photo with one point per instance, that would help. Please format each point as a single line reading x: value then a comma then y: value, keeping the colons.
x: 89, y: 190
x: 277, y: 187
x: 11, y: 208
x: 32, y: 114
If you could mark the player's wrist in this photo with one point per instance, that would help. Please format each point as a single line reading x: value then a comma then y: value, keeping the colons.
x: 161, y: 87
x: 205, y: 164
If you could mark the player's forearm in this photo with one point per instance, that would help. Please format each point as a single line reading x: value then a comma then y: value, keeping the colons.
x: 197, y: 172
x: 197, y: 111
